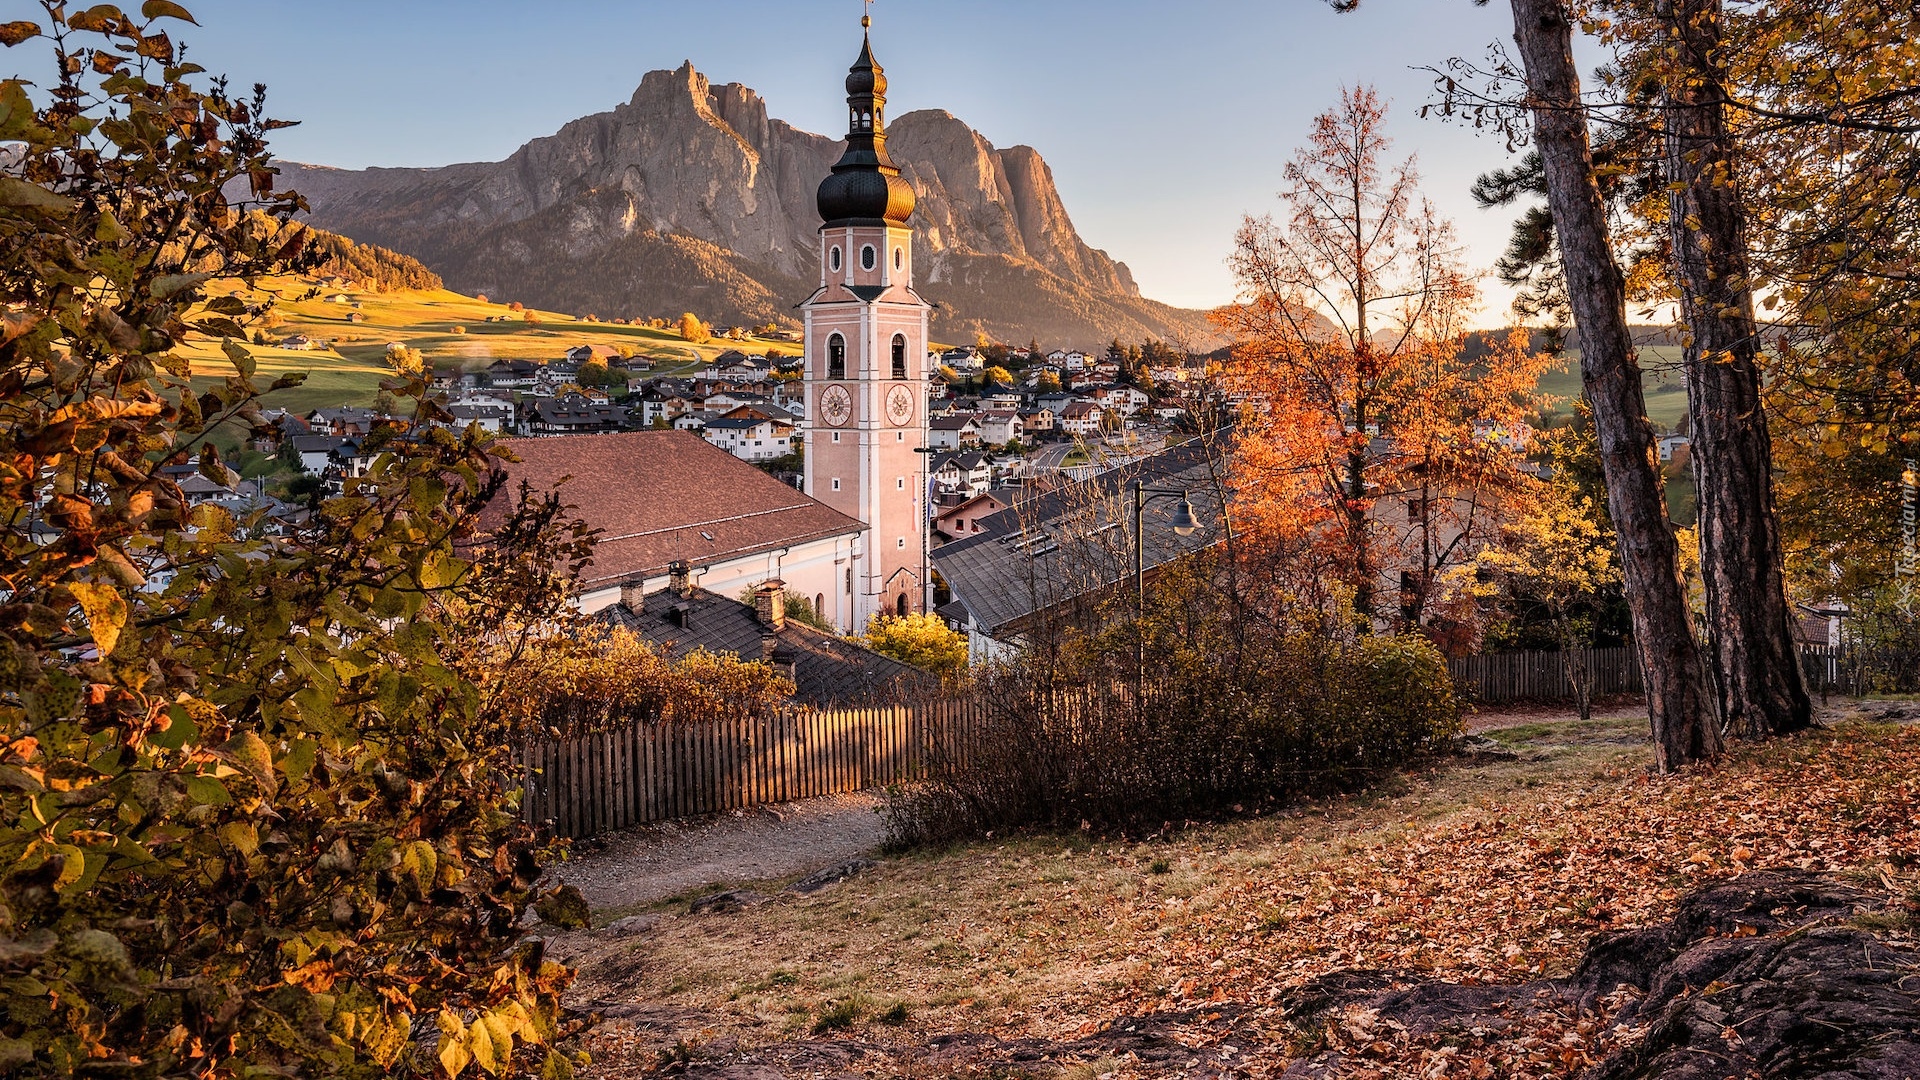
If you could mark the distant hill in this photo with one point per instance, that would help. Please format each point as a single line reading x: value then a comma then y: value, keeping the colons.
x: 689, y: 197
x: 376, y: 268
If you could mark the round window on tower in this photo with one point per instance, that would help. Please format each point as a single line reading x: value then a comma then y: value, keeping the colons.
x: 867, y: 258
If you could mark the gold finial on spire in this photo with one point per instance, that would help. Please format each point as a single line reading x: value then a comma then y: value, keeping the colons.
x: 866, y: 21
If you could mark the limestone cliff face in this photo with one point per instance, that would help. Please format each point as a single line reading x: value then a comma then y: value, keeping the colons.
x: 690, y: 197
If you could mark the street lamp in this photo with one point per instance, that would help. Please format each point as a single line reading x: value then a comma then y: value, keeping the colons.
x: 1184, y: 524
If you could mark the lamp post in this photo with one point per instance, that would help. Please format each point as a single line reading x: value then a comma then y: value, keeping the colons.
x: 1184, y: 524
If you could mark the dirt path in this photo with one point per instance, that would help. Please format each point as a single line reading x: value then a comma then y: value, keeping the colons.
x: 646, y: 865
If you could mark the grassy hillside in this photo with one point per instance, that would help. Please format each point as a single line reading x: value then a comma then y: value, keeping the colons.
x: 445, y: 326
x: 1660, y: 365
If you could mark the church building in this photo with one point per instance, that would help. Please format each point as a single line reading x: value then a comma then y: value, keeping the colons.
x: 866, y: 347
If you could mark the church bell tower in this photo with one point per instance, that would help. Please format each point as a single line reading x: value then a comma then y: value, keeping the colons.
x: 866, y: 342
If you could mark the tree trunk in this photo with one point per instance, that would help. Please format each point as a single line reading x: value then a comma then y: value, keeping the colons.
x: 1755, y: 662
x: 1678, y: 700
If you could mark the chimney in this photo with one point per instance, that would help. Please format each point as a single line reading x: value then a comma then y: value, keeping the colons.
x: 770, y: 605
x: 633, y: 595
x: 680, y: 579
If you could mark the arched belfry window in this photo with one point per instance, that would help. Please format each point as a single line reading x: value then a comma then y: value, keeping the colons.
x: 836, y: 357
x: 899, y: 356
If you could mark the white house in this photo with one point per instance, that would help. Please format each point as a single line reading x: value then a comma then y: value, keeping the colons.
x: 953, y: 432
x: 663, y: 499
x: 1082, y: 418
x: 999, y: 426
x: 750, y: 435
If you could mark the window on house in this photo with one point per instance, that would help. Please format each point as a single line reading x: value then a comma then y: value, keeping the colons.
x: 868, y: 259
x: 849, y: 581
x: 836, y: 357
x: 899, y: 356
x: 820, y: 604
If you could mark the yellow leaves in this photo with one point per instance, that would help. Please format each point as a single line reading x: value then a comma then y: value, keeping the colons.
x: 106, y: 612
x: 419, y: 861
x: 488, y: 1040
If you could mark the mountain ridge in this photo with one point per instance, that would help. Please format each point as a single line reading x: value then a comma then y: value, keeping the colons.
x: 690, y: 196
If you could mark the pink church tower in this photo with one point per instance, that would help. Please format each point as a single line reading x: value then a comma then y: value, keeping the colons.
x: 866, y: 341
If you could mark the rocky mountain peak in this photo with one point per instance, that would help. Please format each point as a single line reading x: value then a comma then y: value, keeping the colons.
x: 704, y: 171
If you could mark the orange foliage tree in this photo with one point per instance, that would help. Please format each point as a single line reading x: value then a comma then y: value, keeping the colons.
x: 1379, y: 439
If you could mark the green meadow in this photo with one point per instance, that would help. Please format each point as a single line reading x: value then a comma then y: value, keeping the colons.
x: 444, y: 326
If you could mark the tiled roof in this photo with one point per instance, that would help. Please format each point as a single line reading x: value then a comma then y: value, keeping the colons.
x: 661, y: 496
x: 826, y: 669
x: 1019, y: 565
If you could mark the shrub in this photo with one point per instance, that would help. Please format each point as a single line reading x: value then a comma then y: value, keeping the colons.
x: 1229, y: 716
x: 255, y: 819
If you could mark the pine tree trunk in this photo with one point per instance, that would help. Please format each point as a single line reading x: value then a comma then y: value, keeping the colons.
x: 1679, y: 702
x: 1755, y: 662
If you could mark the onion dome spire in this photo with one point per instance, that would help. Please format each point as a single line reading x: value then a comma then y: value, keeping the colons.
x: 866, y: 187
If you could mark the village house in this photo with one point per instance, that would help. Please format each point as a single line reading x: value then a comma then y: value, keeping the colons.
x: 750, y: 435
x: 735, y: 366
x: 572, y: 414
x: 581, y: 355
x: 282, y: 425
x: 1082, y: 418
x: 999, y: 427
x: 953, y: 432
x: 1032, y: 561
x: 968, y: 471
x: 342, y: 420
x: 513, y: 374
x: 1669, y: 444
x: 826, y: 669
x: 1037, y: 424
x: 996, y: 396
x: 966, y: 517
x: 661, y: 497
x: 1125, y: 400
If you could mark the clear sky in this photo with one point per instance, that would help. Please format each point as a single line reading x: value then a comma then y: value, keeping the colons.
x: 1163, y: 122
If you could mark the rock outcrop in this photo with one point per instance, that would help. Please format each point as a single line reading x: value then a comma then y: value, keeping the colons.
x: 690, y: 197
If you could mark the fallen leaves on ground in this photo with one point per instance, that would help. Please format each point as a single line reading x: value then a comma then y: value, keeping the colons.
x: 1506, y: 889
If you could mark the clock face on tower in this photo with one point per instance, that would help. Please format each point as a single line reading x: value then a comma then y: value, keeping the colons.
x: 836, y: 405
x: 900, y: 405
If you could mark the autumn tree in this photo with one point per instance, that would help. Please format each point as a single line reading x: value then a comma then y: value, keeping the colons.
x: 1555, y: 561
x: 1679, y: 698
x: 693, y: 330
x: 923, y: 640
x: 1370, y: 431
x: 999, y: 376
x: 256, y: 818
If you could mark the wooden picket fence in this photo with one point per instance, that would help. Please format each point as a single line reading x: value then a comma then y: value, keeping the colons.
x: 1492, y: 678
x: 645, y: 771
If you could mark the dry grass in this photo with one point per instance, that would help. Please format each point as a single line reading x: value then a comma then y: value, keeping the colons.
x: 1043, y: 934
x: 1495, y: 872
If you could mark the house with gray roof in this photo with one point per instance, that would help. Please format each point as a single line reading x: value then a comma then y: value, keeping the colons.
x: 1055, y: 553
